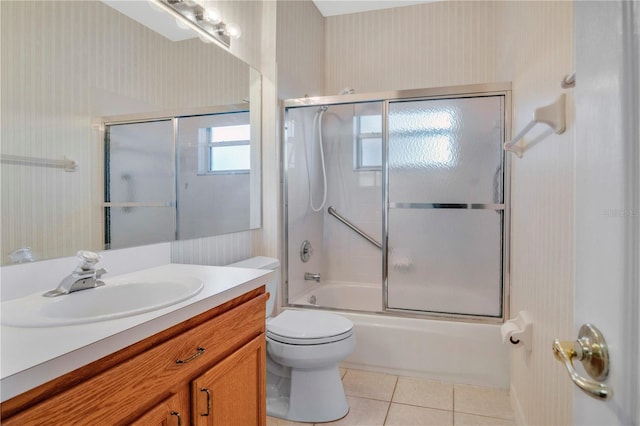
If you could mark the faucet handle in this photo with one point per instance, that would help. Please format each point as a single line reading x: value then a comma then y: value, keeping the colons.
x: 88, y: 260
x: 100, y: 272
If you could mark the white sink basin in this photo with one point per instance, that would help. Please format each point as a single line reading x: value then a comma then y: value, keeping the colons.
x: 116, y: 299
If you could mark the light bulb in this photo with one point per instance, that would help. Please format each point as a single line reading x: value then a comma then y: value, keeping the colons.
x: 189, y: 15
x: 212, y: 15
x: 233, y: 30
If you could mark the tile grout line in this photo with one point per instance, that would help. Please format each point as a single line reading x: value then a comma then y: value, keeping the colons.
x: 395, y: 386
x: 453, y: 404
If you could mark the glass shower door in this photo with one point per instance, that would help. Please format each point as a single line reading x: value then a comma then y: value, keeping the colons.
x: 445, y: 212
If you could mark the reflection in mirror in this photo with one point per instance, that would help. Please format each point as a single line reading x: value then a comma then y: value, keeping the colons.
x: 65, y: 66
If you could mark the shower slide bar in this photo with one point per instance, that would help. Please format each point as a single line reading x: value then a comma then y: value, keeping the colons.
x: 353, y: 227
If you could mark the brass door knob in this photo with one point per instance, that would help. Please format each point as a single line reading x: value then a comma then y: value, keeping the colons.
x: 591, y: 350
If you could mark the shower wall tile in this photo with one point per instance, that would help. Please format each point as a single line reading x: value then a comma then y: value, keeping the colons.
x: 303, y: 223
x: 535, y: 52
x: 429, y: 45
x: 356, y: 195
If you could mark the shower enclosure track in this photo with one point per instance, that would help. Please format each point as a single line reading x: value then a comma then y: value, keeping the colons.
x: 353, y: 227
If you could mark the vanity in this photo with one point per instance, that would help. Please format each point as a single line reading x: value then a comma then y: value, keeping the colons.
x: 200, y: 361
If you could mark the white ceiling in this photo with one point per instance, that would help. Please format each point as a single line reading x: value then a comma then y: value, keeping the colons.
x: 342, y: 7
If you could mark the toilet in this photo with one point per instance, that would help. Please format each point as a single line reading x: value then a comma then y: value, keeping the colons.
x: 304, y: 349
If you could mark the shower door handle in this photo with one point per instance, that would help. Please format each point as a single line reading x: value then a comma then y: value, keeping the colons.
x: 591, y: 350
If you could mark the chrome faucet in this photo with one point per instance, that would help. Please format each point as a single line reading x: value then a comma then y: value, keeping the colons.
x: 85, y: 275
x: 308, y: 276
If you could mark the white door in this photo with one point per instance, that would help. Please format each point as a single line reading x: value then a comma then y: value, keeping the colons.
x: 607, y: 200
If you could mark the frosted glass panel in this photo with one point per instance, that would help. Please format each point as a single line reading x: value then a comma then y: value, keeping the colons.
x: 446, y: 150
x: 445, y: 261
x: 136, y: 161
x: 130, y: 226
x: 137, y: 157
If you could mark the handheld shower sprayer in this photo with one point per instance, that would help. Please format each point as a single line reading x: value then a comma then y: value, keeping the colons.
x: 317, y: 121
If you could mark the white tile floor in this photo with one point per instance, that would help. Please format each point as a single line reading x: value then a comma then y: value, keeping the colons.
x: 377, y: 399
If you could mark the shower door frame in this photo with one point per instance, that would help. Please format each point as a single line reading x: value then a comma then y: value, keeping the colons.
x: 447, y: 92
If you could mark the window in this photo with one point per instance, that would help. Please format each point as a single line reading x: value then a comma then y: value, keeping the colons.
x: 228, y: 149
x: 426, y: 139
x: 428, y: 131
x: 367, y: 142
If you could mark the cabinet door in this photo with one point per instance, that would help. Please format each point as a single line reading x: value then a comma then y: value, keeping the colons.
x: 170, y: 412
x: 233, y: 391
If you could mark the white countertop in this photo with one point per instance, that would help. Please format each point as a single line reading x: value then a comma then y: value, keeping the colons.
x: 30, y: 357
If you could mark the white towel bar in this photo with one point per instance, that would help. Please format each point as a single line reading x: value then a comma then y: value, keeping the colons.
x: 552, y: 115
x: 67, y: 164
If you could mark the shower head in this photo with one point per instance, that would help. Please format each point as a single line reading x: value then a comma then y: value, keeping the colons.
x: 345, y: 91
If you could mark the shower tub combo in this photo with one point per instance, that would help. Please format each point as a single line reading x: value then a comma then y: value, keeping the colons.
x: 395, y: 216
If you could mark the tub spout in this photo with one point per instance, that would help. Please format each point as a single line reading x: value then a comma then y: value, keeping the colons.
x: 308, y: 276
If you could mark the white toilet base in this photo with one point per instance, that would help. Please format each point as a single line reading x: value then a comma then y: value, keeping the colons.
x: 323, y: 401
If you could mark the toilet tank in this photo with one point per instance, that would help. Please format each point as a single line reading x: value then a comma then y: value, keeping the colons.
x: 263, y: 262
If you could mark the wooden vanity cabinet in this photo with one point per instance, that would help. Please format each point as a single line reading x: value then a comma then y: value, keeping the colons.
x: 160, y: 380
x: 224, y: 395
x: 169, y: 412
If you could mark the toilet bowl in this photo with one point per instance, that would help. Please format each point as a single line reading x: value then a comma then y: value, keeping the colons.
x: 304, y: 349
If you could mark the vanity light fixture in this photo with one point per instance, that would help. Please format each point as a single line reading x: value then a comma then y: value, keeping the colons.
x: 206, y: 21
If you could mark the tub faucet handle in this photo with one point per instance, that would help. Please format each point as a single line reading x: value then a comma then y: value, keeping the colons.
x: 309, y: 276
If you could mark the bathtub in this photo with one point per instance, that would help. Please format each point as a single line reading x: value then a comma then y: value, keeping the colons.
x: 449, y: 351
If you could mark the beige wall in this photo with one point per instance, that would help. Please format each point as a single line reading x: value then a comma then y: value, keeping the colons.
x: 536, y: 53
x: 437, y: 44
x: 300, y: 49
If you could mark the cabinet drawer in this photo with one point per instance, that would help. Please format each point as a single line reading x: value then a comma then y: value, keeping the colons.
x: 122, y: 393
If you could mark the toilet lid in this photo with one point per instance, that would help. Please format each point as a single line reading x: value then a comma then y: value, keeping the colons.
x: 311, y: 325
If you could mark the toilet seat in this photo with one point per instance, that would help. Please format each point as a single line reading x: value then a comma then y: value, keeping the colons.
x: 308, y: 328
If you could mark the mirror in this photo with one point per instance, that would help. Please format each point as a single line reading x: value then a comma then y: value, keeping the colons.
x: 69, y: 69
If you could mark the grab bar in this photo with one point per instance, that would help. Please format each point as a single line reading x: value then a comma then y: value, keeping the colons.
x: 353, y: 227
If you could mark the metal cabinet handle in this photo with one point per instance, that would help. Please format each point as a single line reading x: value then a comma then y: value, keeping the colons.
x: 175, y: 413
x: 591, y: 349
x: 208, y: 401
x: 199, y: 352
